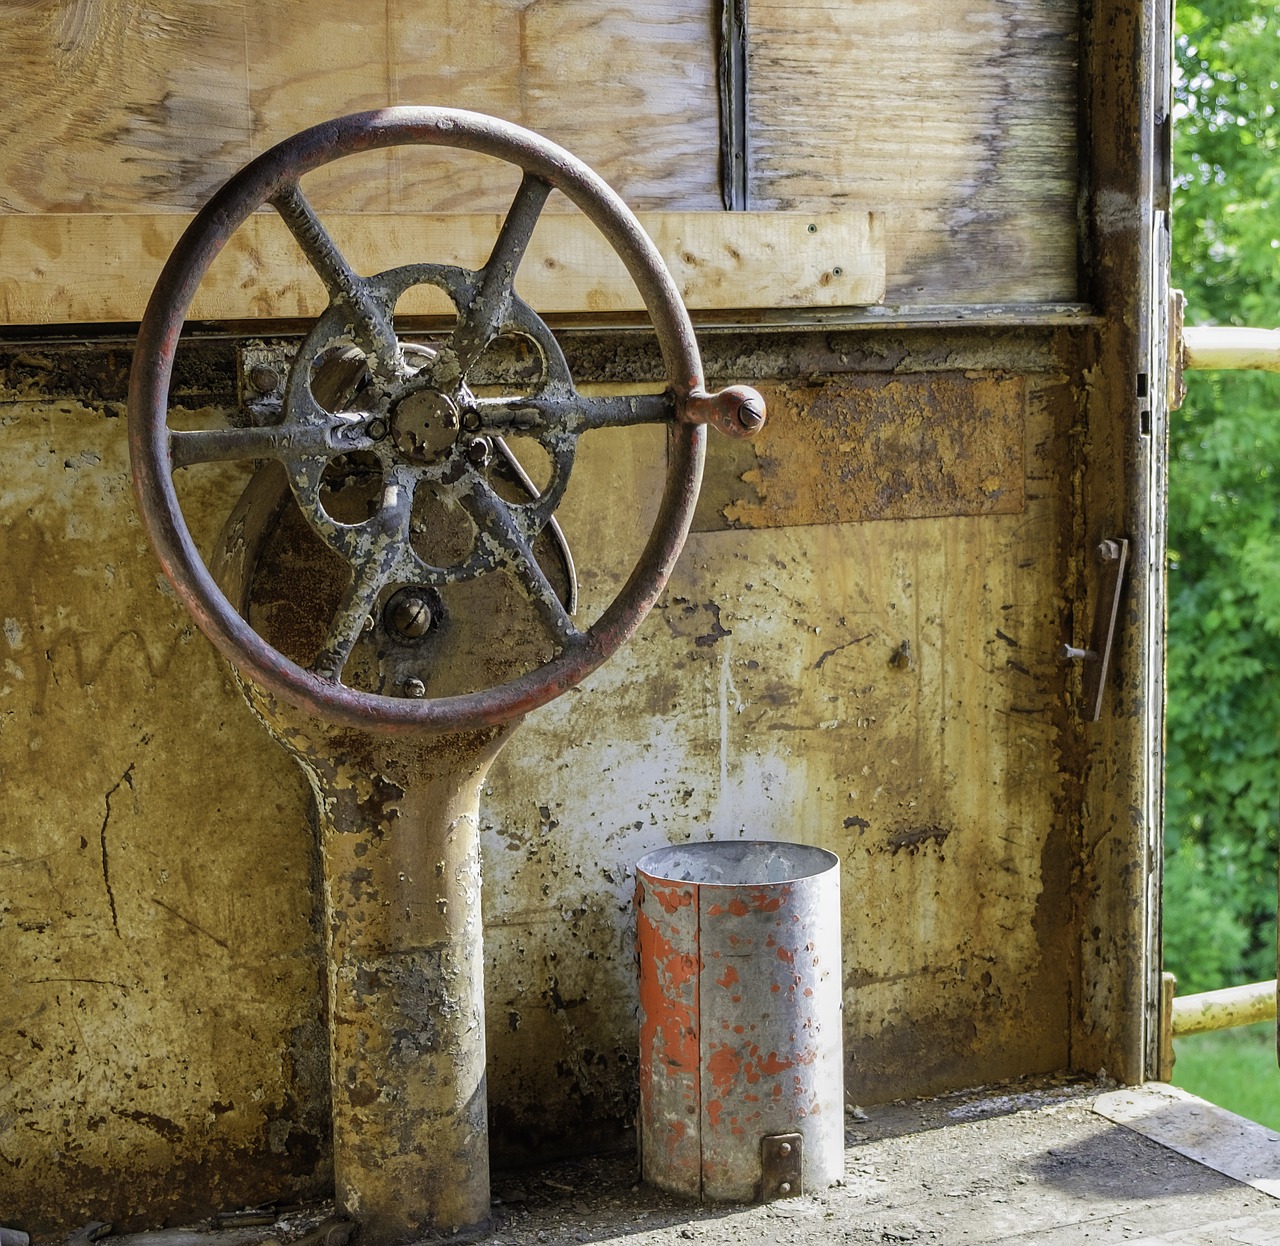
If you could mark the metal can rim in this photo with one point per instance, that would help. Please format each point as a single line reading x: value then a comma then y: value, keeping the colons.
x: 655, y: 865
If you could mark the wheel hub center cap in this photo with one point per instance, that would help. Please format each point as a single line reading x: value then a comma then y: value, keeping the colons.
x: 424, y: 424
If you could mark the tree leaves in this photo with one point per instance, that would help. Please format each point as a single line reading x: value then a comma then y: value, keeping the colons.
x: 1222, y: 788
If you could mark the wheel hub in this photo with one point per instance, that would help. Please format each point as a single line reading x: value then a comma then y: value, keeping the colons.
x: 424, y: 425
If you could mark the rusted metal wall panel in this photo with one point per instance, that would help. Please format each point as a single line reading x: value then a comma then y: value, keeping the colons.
x: 163, y: 1050
x: 886, y: 689
x: 926, y: 446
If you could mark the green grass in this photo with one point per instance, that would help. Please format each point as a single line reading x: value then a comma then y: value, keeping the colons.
x: 1235, y: 1069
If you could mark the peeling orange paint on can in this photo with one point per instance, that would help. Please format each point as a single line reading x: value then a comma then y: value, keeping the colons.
x: 744, y: 1050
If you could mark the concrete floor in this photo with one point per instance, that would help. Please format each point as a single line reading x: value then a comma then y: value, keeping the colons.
x: 1029, y: 1164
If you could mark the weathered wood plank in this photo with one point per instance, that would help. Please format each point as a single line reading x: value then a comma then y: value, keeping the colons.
x: 628, y: 87
x: 956, y: 120
x: 122, y: 106
x: 129, y: 107
x: 79, y: 268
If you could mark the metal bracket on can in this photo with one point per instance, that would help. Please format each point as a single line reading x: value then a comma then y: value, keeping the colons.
x: 781, y: 1165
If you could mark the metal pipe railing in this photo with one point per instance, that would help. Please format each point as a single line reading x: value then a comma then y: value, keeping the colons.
x: 1226, y: 346
x: 1225, y: 1009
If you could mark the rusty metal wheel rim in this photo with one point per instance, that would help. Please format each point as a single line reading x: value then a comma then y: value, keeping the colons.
x: 273, y: 177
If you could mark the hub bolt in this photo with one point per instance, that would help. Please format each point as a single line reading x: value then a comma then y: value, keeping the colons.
x: 264, y: 378
x: 409, y: 615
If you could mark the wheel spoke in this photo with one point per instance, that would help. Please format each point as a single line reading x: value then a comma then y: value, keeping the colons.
x: 369, y: 576
x: 572, y: 413
x: 514, y: 552
x: 371, y: 319
x: 337, y: 435
x: 482, y: 320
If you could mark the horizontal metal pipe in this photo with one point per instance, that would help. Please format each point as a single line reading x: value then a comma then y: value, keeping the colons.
x: 1222, y: 1010
x: 1225, y: 346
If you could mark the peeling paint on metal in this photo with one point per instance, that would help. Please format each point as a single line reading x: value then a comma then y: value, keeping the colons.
x: 907, y: 447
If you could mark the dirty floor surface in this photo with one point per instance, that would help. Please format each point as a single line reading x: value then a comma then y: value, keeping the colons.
x: 1026, y: 1165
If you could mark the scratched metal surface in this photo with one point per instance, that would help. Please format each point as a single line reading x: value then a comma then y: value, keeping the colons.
x: 739, y: 950
x: 885, y: 689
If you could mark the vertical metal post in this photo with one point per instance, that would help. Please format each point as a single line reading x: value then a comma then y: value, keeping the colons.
x: 400, y: 842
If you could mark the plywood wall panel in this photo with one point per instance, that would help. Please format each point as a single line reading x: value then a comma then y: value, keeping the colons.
x: 956, y: 120
x: 630, y: 89
x: 121, y: 106
x: 309, y: 62
x: 132, y: 107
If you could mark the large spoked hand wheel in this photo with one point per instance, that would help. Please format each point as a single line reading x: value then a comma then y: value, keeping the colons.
x: 418, y: 416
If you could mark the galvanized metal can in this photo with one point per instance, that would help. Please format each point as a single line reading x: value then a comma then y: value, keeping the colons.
x: 741, y: 1061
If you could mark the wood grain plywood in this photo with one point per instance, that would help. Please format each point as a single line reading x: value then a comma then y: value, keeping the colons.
x: 628, y: 88
x: 121, y: 106
x: 306, y: 63
x: 132, y: 107
x: 81, y: 269
x: 956, y: 120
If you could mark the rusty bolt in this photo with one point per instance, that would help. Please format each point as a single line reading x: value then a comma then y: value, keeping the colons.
x: 785, y: 1188
x: 409, y: 615
x: 784, y: 1149
x: 1109, y: 550
x: 478, y: 450
x: 377, y: 429
x: 415, y: 688
x: 471, y: 419
x: 264, y: 378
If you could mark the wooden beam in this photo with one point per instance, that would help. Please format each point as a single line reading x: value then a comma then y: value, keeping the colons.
x: 79, y: 268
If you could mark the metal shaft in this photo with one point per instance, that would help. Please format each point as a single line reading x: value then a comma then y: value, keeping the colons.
x: 399, y: 834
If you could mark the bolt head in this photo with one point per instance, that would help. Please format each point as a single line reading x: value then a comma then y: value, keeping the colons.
x: 264, y: 378
x: 784, y: 1148
x: 408, y: 614
x: 784, y: 1188
x: 478, y: 450
x: 415, y: 688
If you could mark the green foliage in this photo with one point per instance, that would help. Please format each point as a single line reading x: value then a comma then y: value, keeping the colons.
x: 1233, y: 1068
x: 1222, y: 781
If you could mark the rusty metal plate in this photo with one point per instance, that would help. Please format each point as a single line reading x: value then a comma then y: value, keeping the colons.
x: 781, y: 1166
x: 908, y: 447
